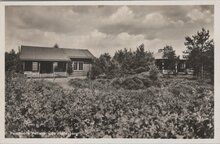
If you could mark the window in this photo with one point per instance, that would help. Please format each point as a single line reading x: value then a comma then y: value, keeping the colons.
x: 75, y: 66
x: 27, y: 66
x: 80, y: 65
x: 183, y: 66
x: 34, y: 66
x: 61, y: 67
x: 55, y: 64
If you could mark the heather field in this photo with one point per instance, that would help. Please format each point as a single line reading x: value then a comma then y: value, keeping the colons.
x: 135, y: 106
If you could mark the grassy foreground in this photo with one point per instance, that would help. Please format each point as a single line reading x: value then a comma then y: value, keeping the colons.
x: 173, y: 108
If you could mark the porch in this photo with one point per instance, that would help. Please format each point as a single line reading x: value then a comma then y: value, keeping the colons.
x: 164, y: 66
x: 45, y: 69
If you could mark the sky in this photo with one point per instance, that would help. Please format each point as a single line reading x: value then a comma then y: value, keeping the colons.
x: 106, y: 29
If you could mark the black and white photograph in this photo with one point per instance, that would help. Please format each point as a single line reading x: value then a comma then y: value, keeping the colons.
x: 109, y: 71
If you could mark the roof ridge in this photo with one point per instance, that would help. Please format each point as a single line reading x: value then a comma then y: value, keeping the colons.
x: 53, y: 47
x: 74, y: 49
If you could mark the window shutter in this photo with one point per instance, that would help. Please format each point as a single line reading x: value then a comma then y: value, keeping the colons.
x: 34, y: 66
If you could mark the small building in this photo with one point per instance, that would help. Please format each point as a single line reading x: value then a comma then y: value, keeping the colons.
x: 163, y: 64
x: 55, y: 62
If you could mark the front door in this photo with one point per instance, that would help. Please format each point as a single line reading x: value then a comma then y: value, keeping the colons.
x: 46, y: 67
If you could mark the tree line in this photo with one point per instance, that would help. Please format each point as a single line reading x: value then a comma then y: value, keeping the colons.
x: 123, y: 62
x: 199, y: 56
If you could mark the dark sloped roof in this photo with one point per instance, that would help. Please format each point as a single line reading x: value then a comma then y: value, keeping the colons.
x: 52, y: 54
x: 78, y: 53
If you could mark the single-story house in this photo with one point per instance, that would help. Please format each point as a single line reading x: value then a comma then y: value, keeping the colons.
x: 163, y: 64
x: 55, y: 62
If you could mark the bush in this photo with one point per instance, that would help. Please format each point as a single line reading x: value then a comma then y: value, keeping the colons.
x: 12, y: 62
x: 79, y: 83
x: 135, y: 82
x: 140, y: 70
x: 117, y: 82
x: 132, y: 83
x: 154, y: 73
x: 147, y: 82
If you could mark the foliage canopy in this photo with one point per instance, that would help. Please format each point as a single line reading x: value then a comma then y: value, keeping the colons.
x: 200, y: 53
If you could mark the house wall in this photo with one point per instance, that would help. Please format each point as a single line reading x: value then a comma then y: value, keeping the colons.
x: 162, y: 65
x: 76, y: 73
x: 38, y: 73
x: 87, y: 65
x: 82, y: 73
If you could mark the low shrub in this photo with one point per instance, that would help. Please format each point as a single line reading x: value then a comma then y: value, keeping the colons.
x: 79, y: 83
x: 179, y: 109
x: 101, y: 84
x: 154, y: 73
x: 117, y: 82
x: 132, y: 83
x: 140, y: 69
x: 135, y: 82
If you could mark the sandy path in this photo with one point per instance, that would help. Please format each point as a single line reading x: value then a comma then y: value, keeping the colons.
x: 63, y: 82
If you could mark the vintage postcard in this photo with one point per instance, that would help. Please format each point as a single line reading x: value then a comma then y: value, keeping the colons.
x: 110, y: 72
